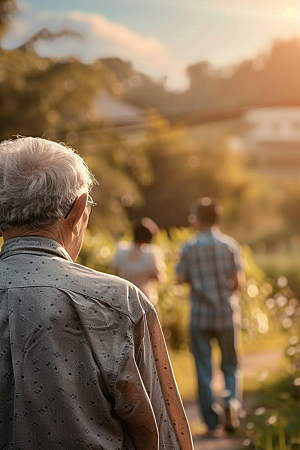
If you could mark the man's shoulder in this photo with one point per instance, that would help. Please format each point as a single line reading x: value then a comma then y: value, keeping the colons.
x: 225, y: 239
x: 89, y: 284
x: 203, y: 239
x: 122, y: 249
x: 152, y: 251
x: 191, y: 242
x: 123, y: 246
x: 116, y: 292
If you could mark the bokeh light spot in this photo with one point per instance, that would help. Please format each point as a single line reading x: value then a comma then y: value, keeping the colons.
x: 127, y: 200
x: 252, y: 290
x: 193, y: 161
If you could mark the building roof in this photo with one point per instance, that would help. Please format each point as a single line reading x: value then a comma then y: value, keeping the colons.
x: 118, y: 110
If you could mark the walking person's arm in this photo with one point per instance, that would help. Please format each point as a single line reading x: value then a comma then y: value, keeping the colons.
x: 238, y: 280
x: 182, y: 268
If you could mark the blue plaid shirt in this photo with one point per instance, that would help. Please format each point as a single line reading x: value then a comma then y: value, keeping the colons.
x: 208, y: 262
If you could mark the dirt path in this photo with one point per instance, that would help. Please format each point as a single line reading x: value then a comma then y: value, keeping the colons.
x: 254, y: 365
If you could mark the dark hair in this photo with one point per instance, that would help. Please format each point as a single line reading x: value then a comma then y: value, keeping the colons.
x: 144, y: 230
x: 208, y: 211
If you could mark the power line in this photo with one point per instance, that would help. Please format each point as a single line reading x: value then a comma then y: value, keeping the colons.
x: 186, y: 118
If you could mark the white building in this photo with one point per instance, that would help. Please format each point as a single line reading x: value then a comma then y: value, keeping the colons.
x: 120, y: 112
x: 272, y: 137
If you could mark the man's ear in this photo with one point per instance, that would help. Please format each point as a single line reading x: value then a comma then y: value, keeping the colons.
x: 77, y: 212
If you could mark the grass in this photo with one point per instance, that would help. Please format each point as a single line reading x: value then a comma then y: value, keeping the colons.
x: 281, y: 263
x: 185, y: 374
x: 275, y: 420
x: 264, y: 342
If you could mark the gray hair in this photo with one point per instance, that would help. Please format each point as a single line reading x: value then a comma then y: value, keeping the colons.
x: 39, y: 182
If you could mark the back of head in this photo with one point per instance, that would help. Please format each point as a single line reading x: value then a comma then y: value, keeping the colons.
x: 144, y: 230
x: 208, y: 211
x: 39, y: 181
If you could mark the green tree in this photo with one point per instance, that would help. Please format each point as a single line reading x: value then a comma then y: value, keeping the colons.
x: 183, y: 172
x: 7, y: 9
x: 56, y: 99
x: 289, y: 207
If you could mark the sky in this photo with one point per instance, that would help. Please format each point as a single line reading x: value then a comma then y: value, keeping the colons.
x: 160, y: 37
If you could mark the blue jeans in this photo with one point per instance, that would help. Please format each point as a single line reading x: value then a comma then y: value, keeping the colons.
x: 201, y: 348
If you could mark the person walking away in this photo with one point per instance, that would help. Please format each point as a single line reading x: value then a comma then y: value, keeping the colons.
x: 211, y: 263
x: 141, y: 262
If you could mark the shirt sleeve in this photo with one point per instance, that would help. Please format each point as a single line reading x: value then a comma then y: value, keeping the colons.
x: 147, y: 396
x: 157, y: 261
x: 237, y: 258
x: 182, y: 267
x: 137, y: 373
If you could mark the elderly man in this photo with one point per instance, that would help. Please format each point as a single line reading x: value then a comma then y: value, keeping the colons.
x: 83, y: 360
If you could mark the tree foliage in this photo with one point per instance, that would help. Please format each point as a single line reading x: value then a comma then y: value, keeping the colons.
x: 184, y: 171
x: 7, y: 10
x: 57, y: 99
x: 163, y: 173
x: 270, y: 78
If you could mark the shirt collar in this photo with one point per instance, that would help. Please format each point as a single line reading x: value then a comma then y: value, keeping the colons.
x: 36, y: 245
x: 214, y: 230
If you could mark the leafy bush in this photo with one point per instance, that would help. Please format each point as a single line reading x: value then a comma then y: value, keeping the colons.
x: 258, y: 310
x: 274, y: 424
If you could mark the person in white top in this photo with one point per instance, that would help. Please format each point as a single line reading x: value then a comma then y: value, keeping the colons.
x: 140, y: 261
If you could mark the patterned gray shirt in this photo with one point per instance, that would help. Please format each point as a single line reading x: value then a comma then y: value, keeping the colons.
x: 208, y: 262
x: 83, y: 363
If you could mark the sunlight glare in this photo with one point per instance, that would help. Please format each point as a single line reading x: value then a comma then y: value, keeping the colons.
x: 292, y: 11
